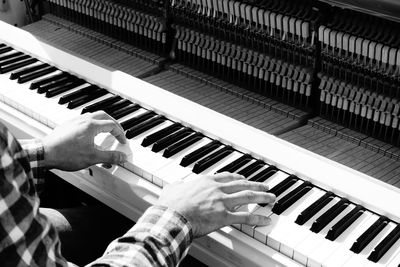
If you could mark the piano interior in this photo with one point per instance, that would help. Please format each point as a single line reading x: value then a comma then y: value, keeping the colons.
x: 322, y: 75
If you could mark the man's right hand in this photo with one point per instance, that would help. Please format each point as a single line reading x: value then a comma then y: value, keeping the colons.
x: 209, y: 202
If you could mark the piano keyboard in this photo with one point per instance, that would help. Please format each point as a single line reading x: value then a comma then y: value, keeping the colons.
x: 320, y: 217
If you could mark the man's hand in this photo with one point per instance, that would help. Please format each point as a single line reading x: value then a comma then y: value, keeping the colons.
x: 71, y: 147
x: 209, y: 202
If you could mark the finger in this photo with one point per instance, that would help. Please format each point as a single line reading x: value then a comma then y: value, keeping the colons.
x: 224, y: 177
x: 109, y: 157
x: 248, y: 197
x: 101, y: 115
x: 248, y: 218
x: 240, y: 185
x: 111, y: 127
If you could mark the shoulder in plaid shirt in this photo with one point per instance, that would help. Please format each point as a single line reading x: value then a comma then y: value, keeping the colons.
x: 161, y: 237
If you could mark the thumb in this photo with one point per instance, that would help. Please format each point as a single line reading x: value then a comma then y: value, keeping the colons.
x: 111, y: 157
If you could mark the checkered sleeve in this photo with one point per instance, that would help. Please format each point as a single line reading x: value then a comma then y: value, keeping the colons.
x: 35, y: 152
x: 161, y: 237
x: 26, y: 237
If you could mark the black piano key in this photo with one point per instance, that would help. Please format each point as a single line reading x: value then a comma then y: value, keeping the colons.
x: 48, y: 80
x: 278, y: 189
x: 64, y: 88
x: 150, y: 139
x: 3, y: 45
x: 310, y: 211
x: 329, y: 215
x: 15, y: 75
x: 12, y: 56
x: 13, y: 60
x: 181, y: 145
x: 137, y: 119
x: 288, y: 200
x: 117, y: 106
x: 101, y: 104
x: 210, y: 160
x: 385, y: 244
x: 236, y: 164
x: 144, y: 126
x: 199, y: 153
x: 120, y: 113
x: 17, y: 65
x: 264, y: 174
x: 5, y: 50
x: 86, y: 98
x: 56, y: 83
x: 31, y: 76
x: 369, y: 234
x: 76, y: 94
x: 345, y: 223
x: 252, y: 168
x: 171, y: 139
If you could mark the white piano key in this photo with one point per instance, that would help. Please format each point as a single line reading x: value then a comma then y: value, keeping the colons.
x: 305, y: 249
x: 54, y: 113
x: 390, y: 256
x: 150, y: 165
x: 249, y: 230
x: 395, y: 260
x: 361, y: 259
x: 304, y: 232
x: 78, y: 110
x: 130, y: 116
x: 175, y: 172
x: 258, y: 171
x: 342, y: 245
x: 288, y: 228
x: 278, y: 177
x: 272, y: 238
x: 260, y: 233
x: 218, y: 165
x: 107, y: 142
x: 22, y: 98
x: 141, y: 158
x: 327, y: 247
x: 172, y: 172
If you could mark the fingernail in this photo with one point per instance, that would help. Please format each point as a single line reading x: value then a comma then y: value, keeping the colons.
x: 106, y: 165
x: 124, y: 158
x: 266, y: 221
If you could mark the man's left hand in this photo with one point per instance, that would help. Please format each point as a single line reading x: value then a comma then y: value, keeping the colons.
x: 71, y: 147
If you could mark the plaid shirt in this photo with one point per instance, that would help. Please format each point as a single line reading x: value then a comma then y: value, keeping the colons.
x: 161, y: 237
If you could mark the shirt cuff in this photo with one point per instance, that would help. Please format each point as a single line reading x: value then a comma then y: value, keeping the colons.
x: 169, y: 225
x: 35, y: 153
x: 161, y: 237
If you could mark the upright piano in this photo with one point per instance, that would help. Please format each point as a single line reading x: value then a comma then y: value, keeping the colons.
x: 300, y: 94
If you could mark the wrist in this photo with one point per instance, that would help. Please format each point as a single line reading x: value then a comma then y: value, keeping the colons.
x: 34, y: 150
x: 47, y: 158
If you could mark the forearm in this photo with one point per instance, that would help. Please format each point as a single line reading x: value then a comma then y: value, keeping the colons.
x: 161, y: 237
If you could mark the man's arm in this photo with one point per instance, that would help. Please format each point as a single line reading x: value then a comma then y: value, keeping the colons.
x: 161, y: 237
x: 26, y: 237
x: 185, y: 211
